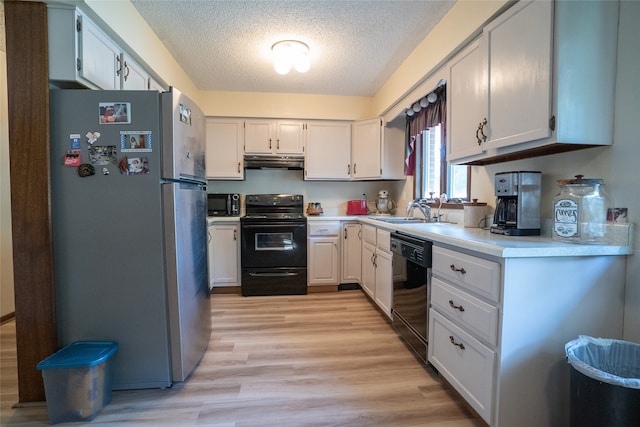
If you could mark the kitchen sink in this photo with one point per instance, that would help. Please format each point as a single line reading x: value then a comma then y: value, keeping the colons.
x: 398, y: 219
x: 407, y: 220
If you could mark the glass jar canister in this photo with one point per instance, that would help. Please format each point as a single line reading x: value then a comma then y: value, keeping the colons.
x: 580, y: 211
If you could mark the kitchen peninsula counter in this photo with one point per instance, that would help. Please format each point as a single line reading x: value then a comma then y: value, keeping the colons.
x: 483, y: 241
x: 503, y: 307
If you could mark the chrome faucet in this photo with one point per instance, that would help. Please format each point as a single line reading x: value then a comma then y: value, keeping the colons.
x: 422, y: 207
x: 443, y: 199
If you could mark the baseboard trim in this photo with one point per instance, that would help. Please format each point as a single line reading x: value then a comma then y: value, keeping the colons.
x: 348, y: 286
x: 322, y: 288
x: 310, y: 289
x: 226, y: 290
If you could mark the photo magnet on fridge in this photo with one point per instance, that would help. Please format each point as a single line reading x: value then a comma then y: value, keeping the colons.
x: 115, y: 112
x: 135, y: 141
x: 103, y: 155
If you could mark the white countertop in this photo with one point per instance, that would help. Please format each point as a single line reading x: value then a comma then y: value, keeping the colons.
x: 214, y: 219
x: 480, y: 240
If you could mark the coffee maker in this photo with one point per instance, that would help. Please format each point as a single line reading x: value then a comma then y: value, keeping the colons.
x: 517, y: 203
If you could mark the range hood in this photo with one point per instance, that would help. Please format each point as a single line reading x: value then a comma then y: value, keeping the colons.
x: 273, y: 162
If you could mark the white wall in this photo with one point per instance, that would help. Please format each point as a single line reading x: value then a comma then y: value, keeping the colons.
x: 625, y: 155
x: 7, y: 305
x: 332, y: 195
x: 617, y: 165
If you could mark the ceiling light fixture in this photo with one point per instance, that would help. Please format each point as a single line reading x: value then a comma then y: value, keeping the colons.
x: 290, y: 53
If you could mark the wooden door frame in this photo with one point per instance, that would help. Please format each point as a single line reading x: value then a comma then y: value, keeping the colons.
x: 29, y: 141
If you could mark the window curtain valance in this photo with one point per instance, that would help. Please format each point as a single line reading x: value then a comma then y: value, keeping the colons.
x: 431, y: 115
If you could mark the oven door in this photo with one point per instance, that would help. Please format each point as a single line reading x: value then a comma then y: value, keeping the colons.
x: 272, y: 244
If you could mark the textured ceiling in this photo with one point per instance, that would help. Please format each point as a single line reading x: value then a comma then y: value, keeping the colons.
x: 355, y: 45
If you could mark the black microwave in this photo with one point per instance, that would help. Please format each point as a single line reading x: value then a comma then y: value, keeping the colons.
x: 227, y: 204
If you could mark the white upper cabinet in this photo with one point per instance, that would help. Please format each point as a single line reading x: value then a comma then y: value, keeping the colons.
x: 289, y: 137
x: 465, y: 103
x: 99, y: 60
x: 328, y: 150
x: 264, y: 136
x: 366, y: 149
x: 516, y: 49
x: 223, y: 156
x: 82, y: 54
x: 545, y: 71
x: 377, y: 150
x: 134, y: 77
x: 258, y: 136
x: 155, y: 85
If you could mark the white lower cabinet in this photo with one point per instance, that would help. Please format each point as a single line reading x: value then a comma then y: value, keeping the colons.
x: 466, y: 363
x: 377, y: 270
x: 383, y: 281
x: 498, y: 326
x: 323, y: 253
x: 351, y: 249
x: 224, y: 254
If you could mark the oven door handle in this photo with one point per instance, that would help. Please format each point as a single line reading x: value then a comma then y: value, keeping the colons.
x: 272, y: 274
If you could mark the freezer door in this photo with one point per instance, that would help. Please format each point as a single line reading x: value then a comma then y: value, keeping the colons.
x: 184, y: 134
x: 185, y: 208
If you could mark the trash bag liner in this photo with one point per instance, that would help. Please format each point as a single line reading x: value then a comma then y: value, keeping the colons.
x: 611, y: 361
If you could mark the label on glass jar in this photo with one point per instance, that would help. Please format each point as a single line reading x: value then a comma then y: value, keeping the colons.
x: 565, y: 218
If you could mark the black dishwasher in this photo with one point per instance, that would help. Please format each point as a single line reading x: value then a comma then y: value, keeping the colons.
x: 411, y: 291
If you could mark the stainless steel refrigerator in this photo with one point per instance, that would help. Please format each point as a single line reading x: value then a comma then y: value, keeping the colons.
x: 130, y: 229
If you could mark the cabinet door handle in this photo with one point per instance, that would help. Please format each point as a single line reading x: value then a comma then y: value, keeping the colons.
x: 128, y: 71
x: 458, y: 344
x: 345, y: 233
x: 456, y: 307
x: 277, y: 144
x: 354, y: 168
x: 348, y: 169
x: 481, y: 126
x: 461, y: 270
x: 235, y: 234
x: 269, y: 143
x: 119, y: 70
x: 239, y: 170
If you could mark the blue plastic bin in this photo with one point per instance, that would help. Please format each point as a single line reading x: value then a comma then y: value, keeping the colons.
x: 77, y: 380
x: 604, y: 382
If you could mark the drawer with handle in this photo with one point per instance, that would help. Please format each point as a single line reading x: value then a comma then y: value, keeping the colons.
x: 474, y: 315
x: 478, y: 275
x: 467, y: 364
x: 319, y: 228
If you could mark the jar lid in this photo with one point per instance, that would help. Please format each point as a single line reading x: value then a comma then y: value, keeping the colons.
x: 579, y: 180
x: 474, y: 202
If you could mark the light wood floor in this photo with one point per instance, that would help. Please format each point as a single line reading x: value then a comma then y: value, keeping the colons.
x: 324, y: 359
